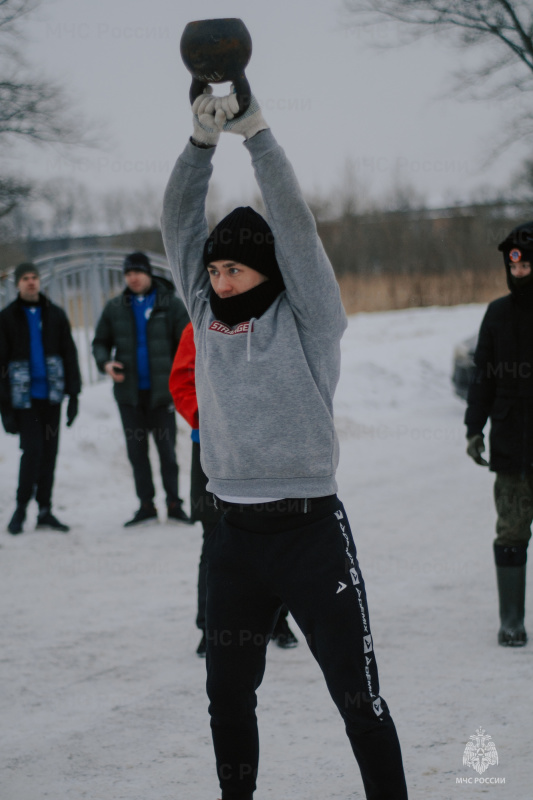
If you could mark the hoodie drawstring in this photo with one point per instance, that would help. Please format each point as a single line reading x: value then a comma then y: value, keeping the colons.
x: 249, y: 339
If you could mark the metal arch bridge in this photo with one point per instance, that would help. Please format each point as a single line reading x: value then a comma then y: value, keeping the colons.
x: 81, y: 282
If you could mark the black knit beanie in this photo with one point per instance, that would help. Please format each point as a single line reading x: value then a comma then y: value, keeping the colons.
x: 244, y: 237
x: 139, y: 262
x: 23, y: 269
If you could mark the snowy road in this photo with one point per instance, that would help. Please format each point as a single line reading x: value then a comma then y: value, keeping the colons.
x: 101, y: 694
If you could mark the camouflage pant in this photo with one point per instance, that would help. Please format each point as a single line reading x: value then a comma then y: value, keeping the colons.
x: 513, y: 495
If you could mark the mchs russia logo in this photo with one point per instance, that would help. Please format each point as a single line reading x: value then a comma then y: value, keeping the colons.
x: 480, y: 753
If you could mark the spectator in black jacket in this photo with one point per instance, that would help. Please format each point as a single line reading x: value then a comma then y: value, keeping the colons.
x: 38, y: 366
x: 503, y: 390
x: 134, y: 343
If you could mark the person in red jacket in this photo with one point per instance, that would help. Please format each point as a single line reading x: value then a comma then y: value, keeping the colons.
x: 182, y: 387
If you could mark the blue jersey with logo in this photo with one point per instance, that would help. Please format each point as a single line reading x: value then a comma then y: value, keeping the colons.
x: 143, y: 305
x: 38, y: 376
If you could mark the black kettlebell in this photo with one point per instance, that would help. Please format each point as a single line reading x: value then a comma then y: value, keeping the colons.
x: 216, y: 51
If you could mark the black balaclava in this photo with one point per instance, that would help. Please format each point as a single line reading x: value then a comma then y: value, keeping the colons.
x: 518, y: 246
x: 244, y: 237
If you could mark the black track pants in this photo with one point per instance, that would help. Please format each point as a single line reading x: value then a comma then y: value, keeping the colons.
x: 39, y: 440
x: 309, y: 562
x: 204, y: 510
x: 138, y: 422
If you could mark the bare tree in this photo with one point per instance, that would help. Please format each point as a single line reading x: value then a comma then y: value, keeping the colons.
x: 62, y: 208
x: 11, y: 11
x: 130, y: 209
x: 32, y: 107
x: 403, y: 196
x: 12, y: 191
x: 521, y: 184
x: 502, y: 30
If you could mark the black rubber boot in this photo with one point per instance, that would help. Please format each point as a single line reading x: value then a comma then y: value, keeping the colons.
x: 511, y: 577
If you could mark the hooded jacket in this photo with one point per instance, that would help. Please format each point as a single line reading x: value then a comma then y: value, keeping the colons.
x: 181, y: 383
x: 502, y: 388
x: 265, y: 387
x: 116, y: 337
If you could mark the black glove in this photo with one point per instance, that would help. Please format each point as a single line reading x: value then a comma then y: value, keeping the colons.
x: 72, y: 409
x: 476, y: 446
x: 10, y: 421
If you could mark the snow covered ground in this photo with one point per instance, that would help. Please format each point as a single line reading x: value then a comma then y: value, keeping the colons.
x: 101, y: 693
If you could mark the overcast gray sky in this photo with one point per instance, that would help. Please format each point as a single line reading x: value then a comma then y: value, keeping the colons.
x: 327, y: 95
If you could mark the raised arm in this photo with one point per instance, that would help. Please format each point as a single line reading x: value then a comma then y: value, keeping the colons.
x: 184, y: 225
x: 311, y: 285
x: 312, y: 288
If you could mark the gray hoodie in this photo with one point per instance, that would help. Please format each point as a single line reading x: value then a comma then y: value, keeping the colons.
x: 265, y: 387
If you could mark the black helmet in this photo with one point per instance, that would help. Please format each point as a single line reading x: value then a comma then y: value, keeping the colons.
x: 518, y: 245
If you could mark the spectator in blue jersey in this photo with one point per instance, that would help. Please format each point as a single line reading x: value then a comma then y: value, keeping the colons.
x: 38, y: 366
x: 135, y: 342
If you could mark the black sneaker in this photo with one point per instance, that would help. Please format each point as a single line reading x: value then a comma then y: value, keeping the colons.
x: 16, y: 521
x: 146, y: 512
x: 202, y: 647
x: 46, y: 519
x: 513, y: 637
x: 175, y: 511
x: 283, y: 636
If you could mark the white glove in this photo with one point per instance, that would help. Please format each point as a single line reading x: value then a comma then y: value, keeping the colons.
x: 247, y: 125
x: 206, y: 127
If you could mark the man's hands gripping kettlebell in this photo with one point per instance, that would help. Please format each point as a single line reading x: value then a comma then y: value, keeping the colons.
x: 211, y: 115
x: 206, y: 127
x: 249, y: 123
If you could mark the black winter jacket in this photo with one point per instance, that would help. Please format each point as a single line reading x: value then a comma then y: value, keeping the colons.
x: 116, y: 338
x: 59, y: 350
x: 502, y: 388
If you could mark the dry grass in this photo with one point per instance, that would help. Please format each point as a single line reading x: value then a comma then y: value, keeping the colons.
x: 389, y: 292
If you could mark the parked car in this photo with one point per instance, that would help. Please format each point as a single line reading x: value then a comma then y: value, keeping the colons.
x: 463, y: 366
